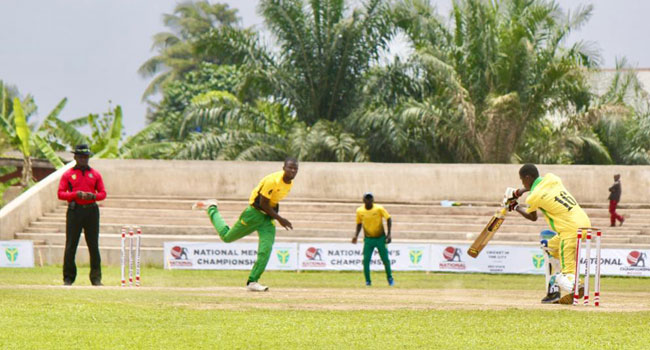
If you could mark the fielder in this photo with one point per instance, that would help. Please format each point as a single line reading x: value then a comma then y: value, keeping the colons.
x: 564, y: 215
x: 260, y: 216
x: 370, y: 217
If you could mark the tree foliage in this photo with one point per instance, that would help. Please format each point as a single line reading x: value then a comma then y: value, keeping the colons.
x: 502, y: 64
x: 325, y: 50
x: 176, y: 52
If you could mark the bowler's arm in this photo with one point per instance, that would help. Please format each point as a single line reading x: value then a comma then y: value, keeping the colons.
x: 265, y: 204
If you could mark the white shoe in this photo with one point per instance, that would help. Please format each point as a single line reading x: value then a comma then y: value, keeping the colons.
x: 256, y: 287
x: 204, y: 204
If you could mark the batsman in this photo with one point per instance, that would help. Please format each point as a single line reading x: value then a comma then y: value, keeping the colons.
x: 564, y: 216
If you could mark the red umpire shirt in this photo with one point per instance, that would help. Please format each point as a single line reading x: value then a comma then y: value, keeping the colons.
x: 85, y: 180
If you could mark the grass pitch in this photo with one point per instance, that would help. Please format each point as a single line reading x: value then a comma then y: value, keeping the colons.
x: 326, y: 310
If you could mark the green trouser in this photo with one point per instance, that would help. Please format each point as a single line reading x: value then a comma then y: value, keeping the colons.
x: 369, y: 245
x: 250, y: 220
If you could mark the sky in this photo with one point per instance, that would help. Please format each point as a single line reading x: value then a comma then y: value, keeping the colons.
x: 90, y: 50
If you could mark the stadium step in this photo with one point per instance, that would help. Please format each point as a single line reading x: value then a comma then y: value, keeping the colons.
x: 171, y: 219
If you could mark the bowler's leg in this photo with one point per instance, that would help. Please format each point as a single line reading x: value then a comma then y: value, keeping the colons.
x: 246, y: 224
x: 266, y: 233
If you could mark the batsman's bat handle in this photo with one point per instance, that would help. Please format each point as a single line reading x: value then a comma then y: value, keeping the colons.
x: 472, y: 252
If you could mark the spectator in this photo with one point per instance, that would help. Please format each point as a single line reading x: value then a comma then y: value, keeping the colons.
x: 614, y: 198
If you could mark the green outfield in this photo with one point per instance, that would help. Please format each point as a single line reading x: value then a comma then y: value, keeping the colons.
x: 324, y: 310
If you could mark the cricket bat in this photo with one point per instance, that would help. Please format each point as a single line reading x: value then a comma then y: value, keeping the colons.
x: 488, y: 232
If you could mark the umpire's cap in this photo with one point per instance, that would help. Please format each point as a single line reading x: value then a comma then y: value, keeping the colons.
x: 82, y: 149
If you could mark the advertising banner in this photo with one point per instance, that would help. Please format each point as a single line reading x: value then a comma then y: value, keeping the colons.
x: 348, y: 256
x: 531, y: 260
x: 16, y: 254
x: 493, y: 259
x: 222, y: 256
x: 619, y: 262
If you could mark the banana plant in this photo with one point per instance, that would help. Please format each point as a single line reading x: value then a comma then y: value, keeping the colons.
x: 105, y: 132
x: 13, y: 124
x: 111, y: 136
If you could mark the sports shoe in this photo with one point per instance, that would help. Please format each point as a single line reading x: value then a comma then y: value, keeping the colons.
x: 391, y: 282
x: 256, y: 287
x: 204, y: 204
x: 551, y: 298
x: 368, y: 283
x: 67, y: 283
x: 622, y: 221
x: 568, y: 299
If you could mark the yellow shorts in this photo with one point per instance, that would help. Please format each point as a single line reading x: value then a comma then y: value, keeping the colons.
x: 564, y: 249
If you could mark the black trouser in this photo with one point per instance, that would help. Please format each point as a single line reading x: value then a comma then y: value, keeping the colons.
x: 86, y: 218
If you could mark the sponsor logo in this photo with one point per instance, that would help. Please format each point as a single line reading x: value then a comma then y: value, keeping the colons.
x: 314, y: 253
x: 314, y: 258
x: 180, y: 257
x: 415, y: 255
x: 179, y: 252
x: 283, y: 256
x: 636, y: 258
x: 12, y: 254
x: 636, y: 261
x: 538, y: 260
x: 451, y: 254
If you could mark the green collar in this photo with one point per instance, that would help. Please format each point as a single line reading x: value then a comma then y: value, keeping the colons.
x: 537, y: 181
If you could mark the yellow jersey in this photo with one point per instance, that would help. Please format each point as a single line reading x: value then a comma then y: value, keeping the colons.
x: 272, y: 187
x: 562, y: 212
x: 372, y: 220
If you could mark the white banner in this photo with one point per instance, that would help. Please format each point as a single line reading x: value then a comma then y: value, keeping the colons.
x: 16, y: 254
x: 223, y: 256
x: 348, y: 256
x: 530, y: 260
x: 619, y: 262
x: 493, y: 259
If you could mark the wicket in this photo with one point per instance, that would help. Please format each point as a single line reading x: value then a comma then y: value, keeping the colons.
x: 576, y: 296
x: 138, y: 233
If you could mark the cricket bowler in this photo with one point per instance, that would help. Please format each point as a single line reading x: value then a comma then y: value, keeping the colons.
x: 260, y: 216
x: 564, y: 216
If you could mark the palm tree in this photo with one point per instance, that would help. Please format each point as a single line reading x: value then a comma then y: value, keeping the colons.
x: 613, y: 129
x: 176, y: 52
x: 620, y: 117
x: 324, y: 52
x: 502, y: 63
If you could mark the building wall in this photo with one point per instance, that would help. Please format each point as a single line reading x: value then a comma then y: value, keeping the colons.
x: 348, y: 181
x: 412, y: 183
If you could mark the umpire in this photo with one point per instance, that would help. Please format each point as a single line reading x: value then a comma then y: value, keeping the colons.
x: 81, y: 187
